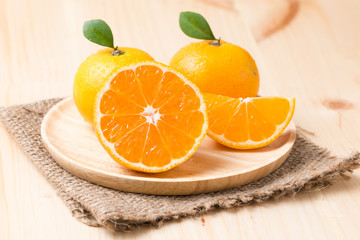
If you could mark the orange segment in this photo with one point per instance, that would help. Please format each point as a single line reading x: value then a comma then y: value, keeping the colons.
x: 183, y: 122
x: 221, y: 116
x: 212, y: 103
x: 115, y: 127
x: 259, y: 127
x: 155, y: 148
x: 247, y: 123
x: 131, y: 146
x: 170, y: 85
x: 149, y: 118
x: 238, y: 130
x: 110, y: 104
x: 125, y: 84
x: 176, y: 141
x: 275, y: 115
x: 149, y: 78
x: 183, y: 101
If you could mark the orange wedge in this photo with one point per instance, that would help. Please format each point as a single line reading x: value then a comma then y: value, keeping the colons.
x: 149, y: 118
x: 247, y: 123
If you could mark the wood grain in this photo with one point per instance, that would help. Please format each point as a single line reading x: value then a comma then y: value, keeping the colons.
x: 266, y: 17
x: 213, y: 167
x: 314, y: 58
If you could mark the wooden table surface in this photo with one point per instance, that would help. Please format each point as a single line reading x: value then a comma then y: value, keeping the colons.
x: 308, y: 49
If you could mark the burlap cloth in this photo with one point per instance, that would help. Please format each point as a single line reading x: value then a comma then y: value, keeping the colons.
x: 307, y: 167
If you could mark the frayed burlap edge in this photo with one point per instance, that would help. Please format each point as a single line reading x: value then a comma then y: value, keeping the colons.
x: 308, y: 167
x: 334, y: 175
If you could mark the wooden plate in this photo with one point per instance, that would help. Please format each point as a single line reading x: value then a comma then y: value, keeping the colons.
x: 74, y: 145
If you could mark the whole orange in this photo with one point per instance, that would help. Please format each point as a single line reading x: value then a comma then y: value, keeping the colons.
x: 220, y: 68
x: 93, y: 72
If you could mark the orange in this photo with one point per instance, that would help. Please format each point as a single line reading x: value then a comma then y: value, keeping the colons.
x: 226, y: 69
x: 247, y: 123
x: 93, y: 72
x: 149, y: 117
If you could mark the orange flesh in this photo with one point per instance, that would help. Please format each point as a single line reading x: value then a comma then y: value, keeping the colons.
x: 150, y: 116
x: 253, y: 119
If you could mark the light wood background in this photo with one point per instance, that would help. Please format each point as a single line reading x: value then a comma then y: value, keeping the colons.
x: 311, y: 52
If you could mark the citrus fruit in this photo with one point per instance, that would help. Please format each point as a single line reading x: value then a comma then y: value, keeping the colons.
x: 149, y: 118
x: 247, y: 123
x: 219, y: 68
x: 93, y: 72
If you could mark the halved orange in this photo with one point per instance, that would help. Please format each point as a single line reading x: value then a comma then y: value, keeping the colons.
x: 149, y: 117
x: 247, y: 123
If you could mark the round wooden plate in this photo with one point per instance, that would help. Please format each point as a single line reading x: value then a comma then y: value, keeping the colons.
x: 74, y: 145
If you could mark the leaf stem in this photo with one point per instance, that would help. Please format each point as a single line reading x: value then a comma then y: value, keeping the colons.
x: 117, y: 52
x: 216, y: 42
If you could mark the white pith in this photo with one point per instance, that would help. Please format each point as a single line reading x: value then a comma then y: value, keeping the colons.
x: 151, y: 114
x: 152, y: 117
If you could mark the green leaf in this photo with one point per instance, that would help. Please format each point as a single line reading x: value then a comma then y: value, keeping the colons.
x: 195, y: 25
x: 97, y: 31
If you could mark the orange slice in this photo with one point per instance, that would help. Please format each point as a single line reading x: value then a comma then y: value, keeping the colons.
x: 247, y: 123
x: 149, y: 118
